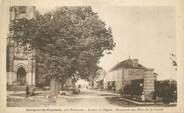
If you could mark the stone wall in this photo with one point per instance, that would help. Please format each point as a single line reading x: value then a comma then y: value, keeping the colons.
x: 148, y: 84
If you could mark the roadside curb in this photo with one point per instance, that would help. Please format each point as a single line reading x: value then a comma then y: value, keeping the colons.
x: 144, y: 103
x: 138, y: 103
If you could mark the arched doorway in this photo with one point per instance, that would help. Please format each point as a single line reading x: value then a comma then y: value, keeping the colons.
x: 21, y: 76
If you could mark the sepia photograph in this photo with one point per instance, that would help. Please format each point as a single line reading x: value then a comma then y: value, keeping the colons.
x: 90, y: 56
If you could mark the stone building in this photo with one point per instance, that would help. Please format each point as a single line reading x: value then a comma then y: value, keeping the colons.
x: 128, y: 72
x: 20, y: 59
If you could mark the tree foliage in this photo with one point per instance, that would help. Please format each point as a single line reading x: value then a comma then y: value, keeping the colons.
x: 69, y: 41
x: 173, y: 60
x: 167, y: 90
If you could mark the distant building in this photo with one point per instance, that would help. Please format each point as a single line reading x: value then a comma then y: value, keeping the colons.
x: 68, y: 84
x: 99, y: 79
x: 81, y: 83
x: 128, y: 73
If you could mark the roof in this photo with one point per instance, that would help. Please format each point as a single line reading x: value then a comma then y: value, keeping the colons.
x: 127, y: 64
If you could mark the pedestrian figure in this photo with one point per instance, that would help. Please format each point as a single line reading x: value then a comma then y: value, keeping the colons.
x: 143, y: 97
x: 122, y: 91
x: 27, y: 90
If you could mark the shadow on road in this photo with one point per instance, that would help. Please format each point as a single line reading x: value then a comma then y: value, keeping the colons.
x: 117, y: 101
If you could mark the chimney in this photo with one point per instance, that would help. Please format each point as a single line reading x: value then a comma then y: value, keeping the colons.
x: 135, y: 62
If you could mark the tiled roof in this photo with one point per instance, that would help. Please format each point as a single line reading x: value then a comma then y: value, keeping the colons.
x: 127, y: 64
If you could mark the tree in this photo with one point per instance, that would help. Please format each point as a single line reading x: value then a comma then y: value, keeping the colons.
x: 167, y: 90
x: 69, y: 42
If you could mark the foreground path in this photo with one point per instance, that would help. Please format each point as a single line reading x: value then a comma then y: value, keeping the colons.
x: 93, y: 98
x: 86, y: 98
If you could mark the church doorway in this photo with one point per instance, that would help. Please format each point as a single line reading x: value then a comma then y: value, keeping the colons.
x: 21, y: 76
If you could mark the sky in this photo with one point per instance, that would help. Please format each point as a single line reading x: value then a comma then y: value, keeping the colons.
x: 145, y: 33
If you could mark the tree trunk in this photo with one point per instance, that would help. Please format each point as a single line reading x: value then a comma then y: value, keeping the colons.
x: 54, y: 89
x: 73, y: 84
x: 58, y: 86
x: 62, y: 84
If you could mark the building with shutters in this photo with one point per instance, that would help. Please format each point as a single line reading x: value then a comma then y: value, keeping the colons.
x: 130, y: 74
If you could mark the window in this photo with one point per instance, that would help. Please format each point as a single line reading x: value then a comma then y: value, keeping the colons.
x: 22, y: 9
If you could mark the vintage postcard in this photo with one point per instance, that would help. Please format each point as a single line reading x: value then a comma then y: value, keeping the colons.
x: 91, y: 56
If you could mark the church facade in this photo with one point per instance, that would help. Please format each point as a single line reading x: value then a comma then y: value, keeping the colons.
x: 21, y: 63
